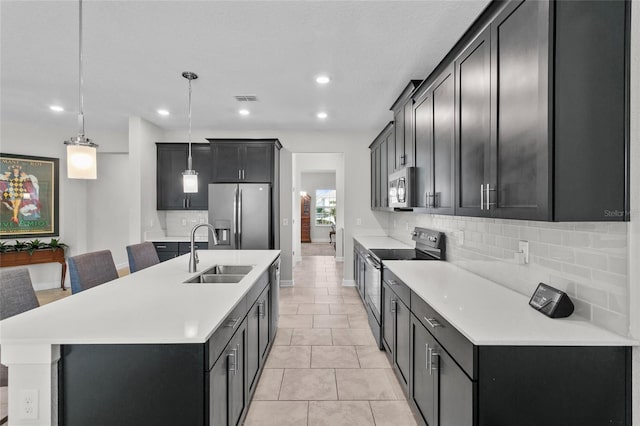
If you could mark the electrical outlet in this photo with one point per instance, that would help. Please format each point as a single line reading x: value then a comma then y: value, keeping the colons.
x: 358, y: 221
x: 29, y: 404
x: 394, y: 223
x: 285, y: 221
x: 183, y: 222
x: 522, y: 256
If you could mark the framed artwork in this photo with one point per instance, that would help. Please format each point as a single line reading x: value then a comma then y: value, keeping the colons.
x: 28, y: 196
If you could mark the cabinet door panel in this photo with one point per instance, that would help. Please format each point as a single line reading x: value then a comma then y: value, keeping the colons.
x: 399, y: 136
x: 473, y: 114
x: 171, y: 162
x: 391, y: 151
x: 423, y: 382
x: 201, y: 155
x: 226, y: 162
x: 402, y: 340
x: 258, y: 163
x: 520, y: 140
x: 388, y: 319
x: 456, y: 392
x: 219, y: 391
x: 443, y: 145
x: 423, y: 123
x: 264, y: 324
x: 409, y: 146
x: 237, y: 378
x: 374, y: 181
x: 383, y: 179
x: 253, y: 344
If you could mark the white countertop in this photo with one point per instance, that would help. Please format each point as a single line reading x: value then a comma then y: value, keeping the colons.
x: 381, y: 242
x: 149, y: 306
x: 187, y: 239
x: 489, y: 314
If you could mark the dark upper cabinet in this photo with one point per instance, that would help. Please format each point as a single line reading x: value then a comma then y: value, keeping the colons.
x: 404, y: 146
x: 473, y: 126
x: 518, y: 185
x: 171, y: 162
x: 247, y: 161
x: 434, y: 113
x: 542, y: 114
x: 380, y: 163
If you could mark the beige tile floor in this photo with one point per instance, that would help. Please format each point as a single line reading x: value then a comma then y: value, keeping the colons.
x: 324, y: 367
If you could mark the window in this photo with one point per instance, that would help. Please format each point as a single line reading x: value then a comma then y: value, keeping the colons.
x: 325, y: 207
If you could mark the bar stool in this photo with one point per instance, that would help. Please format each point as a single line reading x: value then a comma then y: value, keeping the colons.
x: 142, y: 256
x: 91, y: 269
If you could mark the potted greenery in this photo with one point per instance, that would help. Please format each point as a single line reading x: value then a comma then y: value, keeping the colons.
x: 32, y: 252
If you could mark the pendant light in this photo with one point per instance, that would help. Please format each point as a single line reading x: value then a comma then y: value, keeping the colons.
x: 81, y: 151
x: 190, y: 176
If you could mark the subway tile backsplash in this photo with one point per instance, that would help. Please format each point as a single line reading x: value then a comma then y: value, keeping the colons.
x: 587, y: 260
x: 180, y: 222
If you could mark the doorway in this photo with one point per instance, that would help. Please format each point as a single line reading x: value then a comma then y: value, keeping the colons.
x: 318, y: 205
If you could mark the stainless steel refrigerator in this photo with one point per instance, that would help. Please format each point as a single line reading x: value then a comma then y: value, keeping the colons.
x: 241, y: 215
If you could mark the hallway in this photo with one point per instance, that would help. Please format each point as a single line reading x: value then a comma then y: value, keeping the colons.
x: 324, y: 367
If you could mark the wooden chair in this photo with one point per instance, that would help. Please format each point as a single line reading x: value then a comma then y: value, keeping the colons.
x: 142, y: 256
x: 91, y: 269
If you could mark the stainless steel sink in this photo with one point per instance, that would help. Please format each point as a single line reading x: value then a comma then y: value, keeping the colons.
x: 221, y: 274
x: 229, y: 269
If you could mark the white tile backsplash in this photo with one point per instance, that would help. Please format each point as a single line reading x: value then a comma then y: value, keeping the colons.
x: 180, y: 222
x: 588, y: 260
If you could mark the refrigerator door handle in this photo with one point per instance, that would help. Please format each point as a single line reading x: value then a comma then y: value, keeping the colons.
x: 240, y: 220
x: 235, y: 217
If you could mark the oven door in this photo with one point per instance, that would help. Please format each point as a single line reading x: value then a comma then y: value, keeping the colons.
x: 372, y: 277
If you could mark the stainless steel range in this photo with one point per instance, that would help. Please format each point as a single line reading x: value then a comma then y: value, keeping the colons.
x: 430, y: 245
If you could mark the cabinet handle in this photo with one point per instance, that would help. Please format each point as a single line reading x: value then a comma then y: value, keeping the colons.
x: 392, y: 282
x: 481, y: 196
x: 161, y: 247
x: 489, y: 190
x: 235, y: 360
x: 432, y: 322
x: 237, y: 349
x: 393, y: 306
x: 430, y: 364
x: 426, y: 357
x: 233, y: 322
x: 429, y: 359
x: 261, y: 310
x: 239, y: 175
x: 232, y: 361
x: 242, y: 174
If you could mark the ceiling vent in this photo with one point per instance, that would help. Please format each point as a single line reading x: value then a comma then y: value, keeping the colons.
x: 246, y: 98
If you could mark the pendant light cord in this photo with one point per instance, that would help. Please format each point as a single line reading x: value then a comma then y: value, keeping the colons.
x: 189, y: 160
x: 80, y: 79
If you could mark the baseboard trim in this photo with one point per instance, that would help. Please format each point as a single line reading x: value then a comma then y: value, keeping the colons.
x: 348, y: 283
x: 286, y: 283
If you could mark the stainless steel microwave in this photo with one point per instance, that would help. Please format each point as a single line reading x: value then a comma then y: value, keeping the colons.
x: 401, y: 188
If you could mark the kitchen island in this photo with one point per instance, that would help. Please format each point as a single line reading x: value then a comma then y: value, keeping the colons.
x: 146, y: 346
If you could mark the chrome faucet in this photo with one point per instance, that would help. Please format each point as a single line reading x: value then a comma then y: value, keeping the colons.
x: 193, y: 257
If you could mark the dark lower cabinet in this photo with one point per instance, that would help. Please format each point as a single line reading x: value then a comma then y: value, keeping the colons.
x: 395, y: 319
x: 440, y: 390
x: 258, y: 320
x: 227, y: 382
x: 171, y: 249
x: 180, y: 384
x: 455, y: 383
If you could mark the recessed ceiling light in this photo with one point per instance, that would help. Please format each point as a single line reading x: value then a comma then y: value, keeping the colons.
x: 163, y: 112
x: 323, y: 79
x: 244, y: 112
x: 56, y: 108
x: 322, y: 115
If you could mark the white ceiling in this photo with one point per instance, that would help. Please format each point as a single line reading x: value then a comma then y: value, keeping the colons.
x: 135, y: 52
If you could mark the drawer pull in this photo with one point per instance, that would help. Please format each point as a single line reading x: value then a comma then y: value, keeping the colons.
x: 232, y: 323
x: 393, y: 306
x: 161, y: 247
x: 392, y: 282
x: 432, y: 322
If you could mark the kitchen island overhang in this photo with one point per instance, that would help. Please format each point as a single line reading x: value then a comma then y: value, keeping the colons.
x: 153, y: 307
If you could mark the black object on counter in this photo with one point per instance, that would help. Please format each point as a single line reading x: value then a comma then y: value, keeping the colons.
x: 551, y: 302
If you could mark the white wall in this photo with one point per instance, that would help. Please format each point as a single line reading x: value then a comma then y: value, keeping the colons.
x: 310, y: 182
x: 634, y: 225
x: 74, y: 221
x: 108, y: 202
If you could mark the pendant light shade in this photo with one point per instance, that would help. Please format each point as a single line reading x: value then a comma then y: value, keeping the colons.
x: 189, y: 176
x: 81, y: 151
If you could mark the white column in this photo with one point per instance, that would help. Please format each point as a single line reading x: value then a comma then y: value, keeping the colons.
x: 32, y: 367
